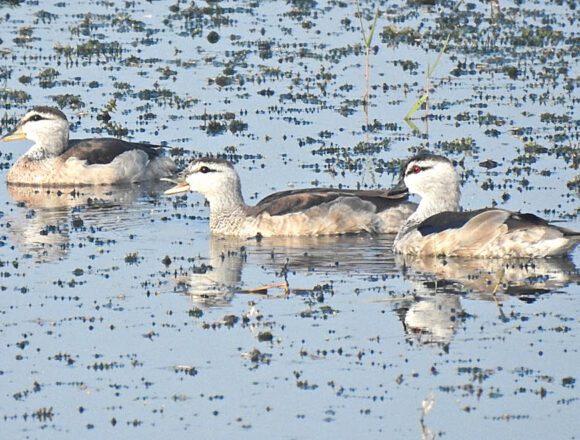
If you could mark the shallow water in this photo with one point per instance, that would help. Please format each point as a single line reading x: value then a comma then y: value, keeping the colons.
x: 122, y: 317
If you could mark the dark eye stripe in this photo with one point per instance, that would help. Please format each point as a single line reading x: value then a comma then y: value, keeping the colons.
x: 35, y: 118
x: 205, y: 170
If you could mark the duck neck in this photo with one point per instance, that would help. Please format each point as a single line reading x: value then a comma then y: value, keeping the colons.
x: 430, y: 206
x: 227, y: 210
x: 47, y: 147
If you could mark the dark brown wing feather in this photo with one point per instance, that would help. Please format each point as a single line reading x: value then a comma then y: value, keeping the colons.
x: 105, y: 150
x: 456, y: 220
x: 446, y: 220
x: 288, y: 202
x: 518, y: 220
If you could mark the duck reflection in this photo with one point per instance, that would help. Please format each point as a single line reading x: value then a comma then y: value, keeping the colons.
x: 215, y: 280
x: 484, y: 279
x: 431, y: 319
x: 430, y: 316
x: 435, y: 312
x: 41, y: 223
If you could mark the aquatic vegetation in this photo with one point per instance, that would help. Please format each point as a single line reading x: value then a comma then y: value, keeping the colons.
x: 14, y: 96
x: 68, y: 100
x: 96, y: 48
x: 46, y: 78
x: 121, y: 317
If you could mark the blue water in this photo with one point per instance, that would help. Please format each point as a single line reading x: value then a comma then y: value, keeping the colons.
x: 112, y: 323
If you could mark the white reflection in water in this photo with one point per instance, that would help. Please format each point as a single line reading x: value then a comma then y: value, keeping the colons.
x: 43, y: 220
x: 435, y: 312
x: 215, y: 280
x: 431, y: 316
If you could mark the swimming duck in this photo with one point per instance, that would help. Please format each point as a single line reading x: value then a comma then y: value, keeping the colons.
x: 54, y: 159
x: 290, y: 213
x: 437, y: 228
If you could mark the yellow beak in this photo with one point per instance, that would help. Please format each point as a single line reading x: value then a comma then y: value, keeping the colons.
x: 16, y: 135
x: 179, y: 188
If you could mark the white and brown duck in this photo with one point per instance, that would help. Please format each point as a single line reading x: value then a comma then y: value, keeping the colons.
x: 302, y: 212
x: 54, y: 159
x: 437, y: 227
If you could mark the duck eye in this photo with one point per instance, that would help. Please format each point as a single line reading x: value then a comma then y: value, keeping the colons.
x: 35, y: 118
x: 204, y: 170
x: 415, y: 169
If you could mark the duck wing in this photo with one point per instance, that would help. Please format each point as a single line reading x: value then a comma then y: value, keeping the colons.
x: 447, y: 221
x: 105, y: 150
x: 486, y: 218
x: 495, y: 232
x: 299, y: 200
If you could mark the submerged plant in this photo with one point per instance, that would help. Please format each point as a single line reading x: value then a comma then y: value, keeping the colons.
x: 424, y: 99
x: 367, y: 42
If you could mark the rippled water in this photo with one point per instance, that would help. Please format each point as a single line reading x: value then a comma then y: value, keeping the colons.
x: 122, y: 317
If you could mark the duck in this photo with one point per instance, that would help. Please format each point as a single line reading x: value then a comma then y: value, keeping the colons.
x: 439, y: 228
x: 54, y: 159
x: 301, y: 212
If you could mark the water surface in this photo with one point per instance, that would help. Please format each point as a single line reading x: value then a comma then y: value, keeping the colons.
x: 122, y: 317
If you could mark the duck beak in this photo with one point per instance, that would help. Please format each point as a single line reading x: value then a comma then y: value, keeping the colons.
x: 179, y: 188
x: 399, y: 189
x: 16, y: 135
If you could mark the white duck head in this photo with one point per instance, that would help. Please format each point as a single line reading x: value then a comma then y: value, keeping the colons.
x: 47, y: 127
x: 435, y: 180
x: 215, y: 179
